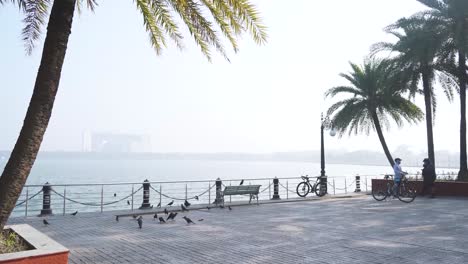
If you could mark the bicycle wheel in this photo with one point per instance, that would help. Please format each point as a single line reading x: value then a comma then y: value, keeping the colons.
x: 319, y: 191
x: 380, y: 194
x: 407, y: 193
x: 303, y: 189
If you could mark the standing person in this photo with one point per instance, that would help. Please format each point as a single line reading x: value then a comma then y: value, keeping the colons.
x: 429, y: 176
x: 399, y: 173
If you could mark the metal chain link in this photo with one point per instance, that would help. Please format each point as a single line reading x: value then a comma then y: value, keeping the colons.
x: 180, y: 199
x: 286, y: 188
x: 96, y: 204
x: 28, y: 198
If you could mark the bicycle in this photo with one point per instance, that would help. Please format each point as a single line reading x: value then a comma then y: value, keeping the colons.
x: 406, y: 191
x: 303, y: 188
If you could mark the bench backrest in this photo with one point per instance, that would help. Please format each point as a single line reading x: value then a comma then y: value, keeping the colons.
x: 241, y: 189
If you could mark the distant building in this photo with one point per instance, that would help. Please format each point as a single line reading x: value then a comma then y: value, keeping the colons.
x: 120, y: 143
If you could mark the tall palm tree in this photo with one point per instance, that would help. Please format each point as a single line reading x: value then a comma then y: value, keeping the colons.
x: 230, y: 18
x: 418, y: 46
x: 453, y: 16
x: 375, y: 94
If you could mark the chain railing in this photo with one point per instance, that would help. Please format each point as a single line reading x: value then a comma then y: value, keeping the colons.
x: 94, y: 197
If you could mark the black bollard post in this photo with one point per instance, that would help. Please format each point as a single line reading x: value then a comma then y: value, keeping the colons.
x: 219, y: 192
x: 358, y: 184
x: 276, y: 189
x: 146, y: 195
x: 323, y: 185
x: 46, y: 210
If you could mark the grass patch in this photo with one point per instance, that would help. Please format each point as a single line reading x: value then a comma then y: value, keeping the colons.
x: 10, y: 242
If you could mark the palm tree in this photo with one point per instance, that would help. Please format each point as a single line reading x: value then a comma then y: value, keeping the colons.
x: 453, y: 16
x: 231, y: 17
x: 418, y: 47
x: 375, y: 93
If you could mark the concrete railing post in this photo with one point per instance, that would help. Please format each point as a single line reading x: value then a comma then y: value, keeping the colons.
x: 276, y: 189
x: 146, y: 195
x: 46, y: 210
x: 358, y: 184
x: 219, y: 192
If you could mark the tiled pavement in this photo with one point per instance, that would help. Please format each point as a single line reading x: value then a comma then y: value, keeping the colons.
x: 353, y: 230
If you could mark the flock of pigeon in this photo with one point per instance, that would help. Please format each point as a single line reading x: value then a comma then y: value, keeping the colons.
x: 170, y: 215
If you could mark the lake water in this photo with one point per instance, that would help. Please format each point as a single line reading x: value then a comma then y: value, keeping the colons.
x: 64, y: 171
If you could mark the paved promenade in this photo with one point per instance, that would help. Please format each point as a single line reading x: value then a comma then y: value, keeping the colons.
x: 351, y: 230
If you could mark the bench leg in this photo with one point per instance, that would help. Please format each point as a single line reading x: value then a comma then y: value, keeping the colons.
x: 250, y: 200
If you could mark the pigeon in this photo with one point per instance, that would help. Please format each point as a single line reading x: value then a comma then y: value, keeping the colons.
x: 229, y: 208
x: 183, y: 208
x: 161, y: 220
x: 196, y: 197
x: 242, y: 182
x: 45, y: 222
x: 165, y: 211
x: 140, y: 221
x: 117, y: 218
x: 208, y: 207
x: 171, y: 216
x: 171, y: 203
x: 128, y: 202
x: 115, y: 194
x: 199, y: 220
x: 189, y: 221
x: 187, y: 204
x: 134, y: 216
x: 159, y: 205
x: 155, y: 216
x: 74, y: 213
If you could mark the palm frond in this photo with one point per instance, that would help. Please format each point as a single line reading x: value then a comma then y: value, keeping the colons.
x: 36, y: 12
x: 155, y: 33
x: 249, y: 16
x: 21, y: 3
x: 342, y: 89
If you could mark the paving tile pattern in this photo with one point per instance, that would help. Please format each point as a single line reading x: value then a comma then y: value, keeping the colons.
x: 353, y: 230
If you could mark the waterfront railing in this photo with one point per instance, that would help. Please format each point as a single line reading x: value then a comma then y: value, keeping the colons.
x: 64, y: 199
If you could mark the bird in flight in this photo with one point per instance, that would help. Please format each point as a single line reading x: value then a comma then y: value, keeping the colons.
x: 200, y: 220
x: 115, y: 194
x: 74, y: 213
x: 155, y: 216
x: 140, y: 221
x: 242, y: 182
x: 45, y: 222
x: 161, y: 220
x: 128, y: 202
x: 187, y: 204
x: 183, y: 208
x: 189, y: 221
x: 196, y: 197
x: 171, y: 203
x: 208, y: 207
x: 134, y: 216
x: 159, y: 205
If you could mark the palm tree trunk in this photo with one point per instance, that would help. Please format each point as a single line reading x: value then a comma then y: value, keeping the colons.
x: 378, y: 128
x: 40, y: 107
x: 463, y: 173
x: 427, y: 101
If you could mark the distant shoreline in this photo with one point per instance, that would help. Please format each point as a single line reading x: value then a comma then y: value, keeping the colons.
x: 369, y: 158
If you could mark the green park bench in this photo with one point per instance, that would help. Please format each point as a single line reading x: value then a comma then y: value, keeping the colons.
x: 251, y: 190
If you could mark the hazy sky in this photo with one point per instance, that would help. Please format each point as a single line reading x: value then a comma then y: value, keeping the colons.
x: 269, y: 98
